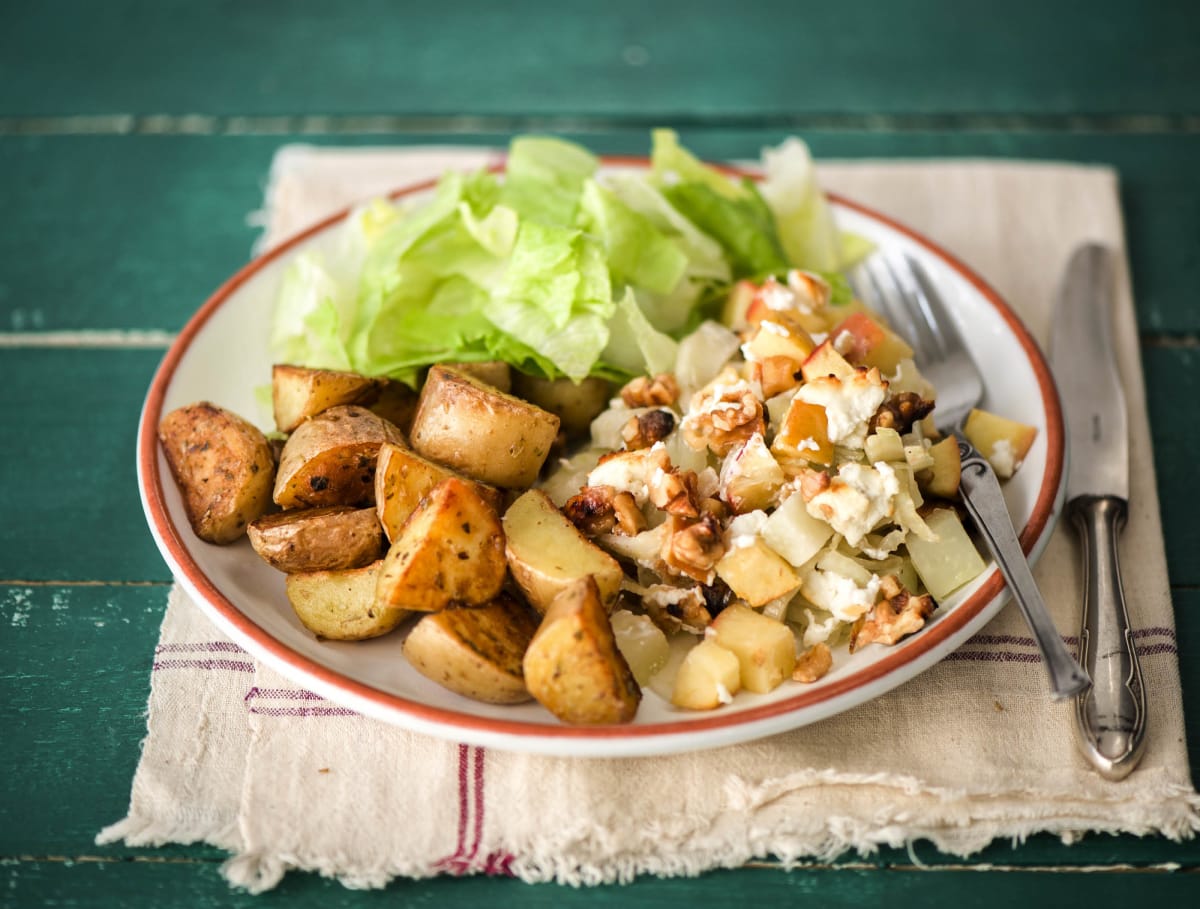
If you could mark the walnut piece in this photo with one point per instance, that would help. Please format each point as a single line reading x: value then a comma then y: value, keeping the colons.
x: 645, y: 429
x: 723, y: 416
x: 674, y: 491
x: 897, y: 615
x: 677, y: 608
x: 645, y: 391
x: 630, y: 520
x: 900, y: 412
x: 813, y: 663
x: 597, y: 510
x: 693, y: 547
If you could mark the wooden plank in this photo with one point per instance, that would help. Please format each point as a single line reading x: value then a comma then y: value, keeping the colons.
x: 72, y: 699
x: 165, y: 216
x: 73, y: 508
x: 1172, y: 387
x: 676, y: 59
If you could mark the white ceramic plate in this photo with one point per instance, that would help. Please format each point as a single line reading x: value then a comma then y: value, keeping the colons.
x: 222, y: 356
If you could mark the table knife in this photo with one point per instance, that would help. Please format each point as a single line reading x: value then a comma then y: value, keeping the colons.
x: 1111, y: 715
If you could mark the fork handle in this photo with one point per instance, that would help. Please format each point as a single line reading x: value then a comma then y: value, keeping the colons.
x: 985, y: 502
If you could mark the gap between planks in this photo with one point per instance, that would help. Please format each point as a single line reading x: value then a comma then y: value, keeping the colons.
x: 196, y: 124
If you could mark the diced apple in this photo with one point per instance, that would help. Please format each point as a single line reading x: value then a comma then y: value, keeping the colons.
x: 943, y: 477
x: 804, y: 436
x: 825, y: 361
x: 709, y: 676
x: 737, y: 304
x: 776, y: 336
x: 765, y: 648
x: 1004, y: 442
x: 750, y: 477
x: 794, y: 533
x: 948, y: 562
x: 776, y: 375
x: 756, y: 573
x: 642, y: 643
x: 866, y: 342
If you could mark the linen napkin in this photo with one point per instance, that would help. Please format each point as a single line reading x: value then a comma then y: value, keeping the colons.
x: 971, y: 751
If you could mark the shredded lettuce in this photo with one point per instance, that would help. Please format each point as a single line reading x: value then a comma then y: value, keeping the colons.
x: 557, y: 268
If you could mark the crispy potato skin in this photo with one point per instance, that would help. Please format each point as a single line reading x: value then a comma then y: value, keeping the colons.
x: 223, y: 467
x: 340, y: 605
x: 576, y: 405
x: 403, y: 478
x: 547, y: 553
x: 573, y: 667
x: 450, y: 552
x: 330, y: 459
x: 318, y: 539
x: 298, y: 393
x: 475, y: 652
x: 482, y: 432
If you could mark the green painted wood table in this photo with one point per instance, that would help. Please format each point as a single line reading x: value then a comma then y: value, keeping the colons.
x: 136, y: 136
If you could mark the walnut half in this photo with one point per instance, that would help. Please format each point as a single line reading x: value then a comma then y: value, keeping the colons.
x: 693, y: 547
x: 813, y: 663
x: 723, y: 416
x: 645, y: 391
x: 897, y: 615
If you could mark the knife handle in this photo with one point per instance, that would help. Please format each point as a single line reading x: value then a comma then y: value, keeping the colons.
x: 1111, y: 717
x: 985, y: 502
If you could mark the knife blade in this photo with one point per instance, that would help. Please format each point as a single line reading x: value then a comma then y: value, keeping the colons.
x: 1111, y: 715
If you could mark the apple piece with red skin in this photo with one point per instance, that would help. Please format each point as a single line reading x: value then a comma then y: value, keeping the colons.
x: 825, y: 361
x: 865, y: 342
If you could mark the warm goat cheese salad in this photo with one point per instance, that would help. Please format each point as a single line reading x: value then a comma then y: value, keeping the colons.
x: 766, y: 487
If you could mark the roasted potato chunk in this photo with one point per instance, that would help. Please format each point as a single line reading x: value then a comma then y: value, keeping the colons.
x: 318, y: 539
x: 330, y: 459
x: 573, y: 667
x: 495, y: 373
x: 298, y: 393
x: 575, y: 404
x: 450, y: 552
x: 475, y: 652
x: 223, y: 467
x: 340, y: 605
x: 396, y: 403
x: 547, y: 553
x: 485, y: 433
x: 403, y: 478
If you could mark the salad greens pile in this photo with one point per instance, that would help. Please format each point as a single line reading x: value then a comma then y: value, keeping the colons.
x: 556, y: 268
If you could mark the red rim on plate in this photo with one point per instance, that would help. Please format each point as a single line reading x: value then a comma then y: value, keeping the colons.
x: 384, y: 704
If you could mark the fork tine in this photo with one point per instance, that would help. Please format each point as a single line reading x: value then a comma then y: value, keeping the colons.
x: 934, y: 309
x: 905, y: 305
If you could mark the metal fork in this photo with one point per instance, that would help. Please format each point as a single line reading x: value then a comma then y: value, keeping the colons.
x: 907, y: 296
